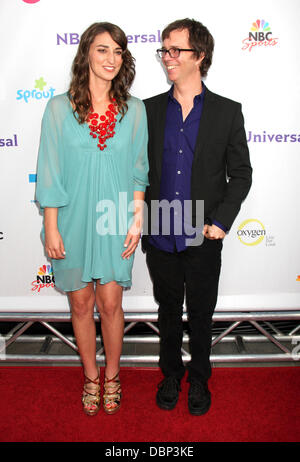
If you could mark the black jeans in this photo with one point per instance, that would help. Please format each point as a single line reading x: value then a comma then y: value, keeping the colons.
x: 193, y: 273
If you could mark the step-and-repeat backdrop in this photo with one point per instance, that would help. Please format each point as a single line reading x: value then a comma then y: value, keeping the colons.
x: 256, y: 62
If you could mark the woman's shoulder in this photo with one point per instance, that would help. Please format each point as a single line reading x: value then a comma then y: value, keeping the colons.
x: 136, y: 105
x: 59, y: 101
x: 135, y: 102
x: 59, y: 104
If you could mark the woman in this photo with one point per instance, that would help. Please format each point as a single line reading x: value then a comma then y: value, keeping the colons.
x: 92, y: 158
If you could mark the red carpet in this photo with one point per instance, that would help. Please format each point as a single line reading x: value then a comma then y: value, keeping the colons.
x: 248, y: 405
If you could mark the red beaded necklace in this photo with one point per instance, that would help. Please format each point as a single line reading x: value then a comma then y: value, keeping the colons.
x: 104, y: 127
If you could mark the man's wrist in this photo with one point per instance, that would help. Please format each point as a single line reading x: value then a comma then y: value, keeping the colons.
x: 220, y: 225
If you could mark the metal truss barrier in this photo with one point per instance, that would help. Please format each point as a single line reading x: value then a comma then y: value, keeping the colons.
x: 286, y: 344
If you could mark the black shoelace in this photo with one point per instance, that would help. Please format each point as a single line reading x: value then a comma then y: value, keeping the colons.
x: 197, y: 389
x: 169, y: 385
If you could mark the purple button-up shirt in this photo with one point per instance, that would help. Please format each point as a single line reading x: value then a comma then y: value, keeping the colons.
x: 179, y: 146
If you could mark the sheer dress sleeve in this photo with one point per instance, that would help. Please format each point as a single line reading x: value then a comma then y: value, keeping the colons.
x: 140, y: 144
x: 50, y: 191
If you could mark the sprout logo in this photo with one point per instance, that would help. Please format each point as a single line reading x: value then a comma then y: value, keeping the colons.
x: 35, y: 94
x: 251, y: 232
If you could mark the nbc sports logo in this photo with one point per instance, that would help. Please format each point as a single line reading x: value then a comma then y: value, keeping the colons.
x: 260, y: 35
x: 44, y: 278
x: 44, y: 273
x: 260, y: 31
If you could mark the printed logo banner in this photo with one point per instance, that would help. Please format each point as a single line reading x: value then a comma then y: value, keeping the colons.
x: 256, y: 62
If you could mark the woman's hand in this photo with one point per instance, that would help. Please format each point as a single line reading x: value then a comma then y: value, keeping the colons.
x: 54, y: 244
x: 132, y: 239
x: 134, y: 233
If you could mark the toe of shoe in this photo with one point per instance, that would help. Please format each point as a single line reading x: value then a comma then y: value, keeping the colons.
x: 165, y: 403
x: 199, y: 407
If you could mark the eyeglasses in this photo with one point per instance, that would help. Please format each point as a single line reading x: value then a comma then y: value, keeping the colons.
x: 173, y: 52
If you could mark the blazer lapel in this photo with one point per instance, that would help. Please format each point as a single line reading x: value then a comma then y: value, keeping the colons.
x: 160, y: 122
x: 206, y: 122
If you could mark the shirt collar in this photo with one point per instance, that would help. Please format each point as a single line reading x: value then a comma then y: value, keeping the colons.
x: 197, y: 98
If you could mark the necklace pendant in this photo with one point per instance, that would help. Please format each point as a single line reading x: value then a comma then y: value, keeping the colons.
x: 103, y: 126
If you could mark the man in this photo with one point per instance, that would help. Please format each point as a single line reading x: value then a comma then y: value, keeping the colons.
x: 197, y: 151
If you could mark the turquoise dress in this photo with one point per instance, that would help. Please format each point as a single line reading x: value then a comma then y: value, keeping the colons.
x: 93, y: 191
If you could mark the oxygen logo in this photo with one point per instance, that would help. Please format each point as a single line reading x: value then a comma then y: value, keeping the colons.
x: 37, y: 93
x: 251, y: 232
x: 260, y: 35
x: 30, y: 1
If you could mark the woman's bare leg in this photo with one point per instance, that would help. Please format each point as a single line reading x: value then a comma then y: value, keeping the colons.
x: 109, y: 303
x: 82, y: 303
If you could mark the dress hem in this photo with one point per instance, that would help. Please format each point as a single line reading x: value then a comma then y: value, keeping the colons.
x: 125, y: 284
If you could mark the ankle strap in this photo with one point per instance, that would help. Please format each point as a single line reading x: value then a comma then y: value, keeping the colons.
x: 113, y: 379
x: 88, y: 380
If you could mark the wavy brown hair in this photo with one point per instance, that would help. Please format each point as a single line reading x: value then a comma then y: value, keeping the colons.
x: 200, y: 40
x: 79, y: 92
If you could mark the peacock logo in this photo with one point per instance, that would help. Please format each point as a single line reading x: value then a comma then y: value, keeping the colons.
x: 260, y: 25
x: 45, y: 272
x: 44, y: 278
x: 260, y: 31
x: 260, y: 34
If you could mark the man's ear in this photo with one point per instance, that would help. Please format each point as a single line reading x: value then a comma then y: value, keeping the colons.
x: 200, y: 59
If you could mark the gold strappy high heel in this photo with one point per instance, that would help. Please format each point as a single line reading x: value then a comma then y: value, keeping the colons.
x: 112, y: 394
x: 91, y: 396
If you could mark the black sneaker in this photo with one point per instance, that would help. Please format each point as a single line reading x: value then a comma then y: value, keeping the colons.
x: 198, y: 398
x: 168, y: 393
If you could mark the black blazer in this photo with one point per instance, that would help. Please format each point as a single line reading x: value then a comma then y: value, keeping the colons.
x: 221, y: 170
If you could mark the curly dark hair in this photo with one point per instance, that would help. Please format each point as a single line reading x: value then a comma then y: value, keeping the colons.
x: 199, y: 37
x: 79, y: 92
